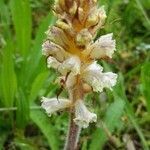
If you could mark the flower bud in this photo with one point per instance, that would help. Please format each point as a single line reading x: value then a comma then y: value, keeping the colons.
x: 83, y: 37
x: 102, y: 17
x: 92, y: 18
x: 81, y: 14
x: 73, y: 9
x: 63, y: 25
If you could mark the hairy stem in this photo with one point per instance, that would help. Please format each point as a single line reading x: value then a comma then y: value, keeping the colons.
x: 74, y: 131
x: 73, y: 134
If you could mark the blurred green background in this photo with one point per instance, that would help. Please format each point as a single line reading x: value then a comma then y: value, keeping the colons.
x: 123, y: 115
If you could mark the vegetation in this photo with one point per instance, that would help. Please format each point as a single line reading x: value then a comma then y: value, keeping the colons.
x: 123, y: 115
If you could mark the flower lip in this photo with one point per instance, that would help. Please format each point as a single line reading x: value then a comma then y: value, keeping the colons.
x: 83, y: 115
x: 52, y: 105
x: 103, y: 47
x: 94, y: 76
x: 71, y: 64
x: 56, y: 35
x: 52, y: 63
x: 50, y: 48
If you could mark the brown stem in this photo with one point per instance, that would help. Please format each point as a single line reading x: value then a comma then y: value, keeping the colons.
x: 74, y: 131
x: 73, y: 134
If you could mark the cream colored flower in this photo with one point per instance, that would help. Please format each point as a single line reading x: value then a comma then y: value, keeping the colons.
x: 51, y: 105
x: 82, y: 115
x: 72, y: 64
x: 109, y: 79
x: 52, y: 63
x: 103, y: 47
x: 52, y: 49
x: 57, y: 36
x: 71, y: 50
x: 93, y: 76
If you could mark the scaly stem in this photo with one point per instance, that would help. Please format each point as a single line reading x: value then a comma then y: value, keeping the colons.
x: 74, y: 131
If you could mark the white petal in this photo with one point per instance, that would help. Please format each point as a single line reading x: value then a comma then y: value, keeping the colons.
x: 83, y: 115
x: 97, y: 79
x: 94, y: 67
x: 51, y: 105
x: 109, y: 79
x: 104, y: 46
x: 50, y: 48
x: 52, y: 63
x: 71, y: 64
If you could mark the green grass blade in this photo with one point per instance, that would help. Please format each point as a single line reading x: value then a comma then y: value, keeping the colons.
x: 8, y: 77
x: 145, y: 76
x: 5, y: 20
x: 34, y: 64
x: 43, y: 122
x: 120, y: 91
x: 143, y: 11
x: 37, y: 86
x: 111, y: 119
x: 23, y: 110
x: 21, y: 15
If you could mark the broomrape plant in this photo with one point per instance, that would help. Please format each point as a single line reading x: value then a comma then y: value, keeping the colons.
x: 71, y: 50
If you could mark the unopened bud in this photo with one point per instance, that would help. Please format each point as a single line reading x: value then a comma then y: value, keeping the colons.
x: 83, y: 37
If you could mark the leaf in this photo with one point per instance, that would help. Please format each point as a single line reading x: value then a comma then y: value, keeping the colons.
x: 21, y: 15
x: 43, y: 122
x: 120, y: 91
x: 24, y: 144
x: 111, y: 119
x: 5, y: 19
x: 23, y: 110
x: 84, y: 145
x: 37, y: 85
x: 8, y: 77
x: 145, y: 76
x: 33, y: 64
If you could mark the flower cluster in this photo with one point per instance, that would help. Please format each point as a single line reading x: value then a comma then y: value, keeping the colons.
x: 70, y: 48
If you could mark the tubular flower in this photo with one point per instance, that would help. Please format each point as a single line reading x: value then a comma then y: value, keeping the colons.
x: 97, y: 79
x: 71, y: 49
x: 82, y: 115
x: 52, y: 105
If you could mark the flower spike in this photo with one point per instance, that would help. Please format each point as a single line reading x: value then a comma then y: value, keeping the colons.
x: 71, y: 49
